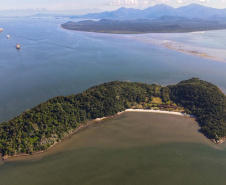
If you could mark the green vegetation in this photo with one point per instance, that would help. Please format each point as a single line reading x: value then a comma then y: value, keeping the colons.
x: 157, y: 100
x: 51, y: 121
x: 204, y: 100
x: 144, y: 26
x: 40, y: 127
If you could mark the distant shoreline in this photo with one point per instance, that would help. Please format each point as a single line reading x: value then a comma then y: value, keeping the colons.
x: 137, y: 32
x: 170, y: 46
x: 139, y: 26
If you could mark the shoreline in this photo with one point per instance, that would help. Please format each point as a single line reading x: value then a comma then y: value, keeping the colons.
x: 169, y: 46
x: 116, y: 32
x: 191, y: 52
x: 72, y: 132
x: 161, y: 112
x: 179, y: 47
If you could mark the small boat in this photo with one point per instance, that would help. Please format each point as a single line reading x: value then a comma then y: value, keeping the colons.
x: 17, y: 46
x: 8, y: 36
x: 1, y: 29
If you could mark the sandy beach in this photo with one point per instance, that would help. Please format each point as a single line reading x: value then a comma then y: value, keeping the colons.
x: 160, y: 112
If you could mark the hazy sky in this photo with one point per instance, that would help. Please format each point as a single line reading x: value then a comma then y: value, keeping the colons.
x: 101, y: 4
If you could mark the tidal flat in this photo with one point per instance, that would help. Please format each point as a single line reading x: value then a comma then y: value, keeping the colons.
x: 133, y: 148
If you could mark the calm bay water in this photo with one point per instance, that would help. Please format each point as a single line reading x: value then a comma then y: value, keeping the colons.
x: 209, y: 42
x: 134, y: 148
x: 53, y: 62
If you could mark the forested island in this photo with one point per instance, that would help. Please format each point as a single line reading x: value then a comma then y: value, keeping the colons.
x: 50, y: 122
x: 165, y: 24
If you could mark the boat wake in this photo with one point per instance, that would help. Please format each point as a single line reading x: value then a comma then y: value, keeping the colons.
x: 44, y: 41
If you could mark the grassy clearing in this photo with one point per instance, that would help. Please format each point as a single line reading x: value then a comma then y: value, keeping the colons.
x: 157, y: 100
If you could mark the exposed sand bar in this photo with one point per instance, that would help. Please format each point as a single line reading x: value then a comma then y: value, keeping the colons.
x: 161, y: 112
x: 167, y: 40
x: 181, y: 45
x: 189, y: 49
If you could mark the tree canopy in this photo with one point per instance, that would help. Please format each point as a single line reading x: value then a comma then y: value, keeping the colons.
x: 37, y: 129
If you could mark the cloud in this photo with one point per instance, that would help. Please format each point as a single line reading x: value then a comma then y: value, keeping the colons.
x: 192, y: 1
x: 124, y: 2
x: 154, y: 2
x: 137, y: 2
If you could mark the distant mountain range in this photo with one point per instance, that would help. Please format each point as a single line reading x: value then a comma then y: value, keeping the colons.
x: 160, y: 10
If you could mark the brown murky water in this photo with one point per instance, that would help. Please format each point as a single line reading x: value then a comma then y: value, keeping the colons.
x: 134, y: 148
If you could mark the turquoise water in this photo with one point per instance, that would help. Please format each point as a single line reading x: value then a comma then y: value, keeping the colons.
x: 53, y: 62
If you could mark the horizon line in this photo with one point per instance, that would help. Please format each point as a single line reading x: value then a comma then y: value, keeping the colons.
x: 46, y: 9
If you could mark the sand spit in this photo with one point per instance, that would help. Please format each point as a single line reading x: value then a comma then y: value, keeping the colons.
x: 178, y: 46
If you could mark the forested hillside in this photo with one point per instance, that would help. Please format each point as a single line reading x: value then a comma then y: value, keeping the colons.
x: 204, y: 100
x: 37, y: 129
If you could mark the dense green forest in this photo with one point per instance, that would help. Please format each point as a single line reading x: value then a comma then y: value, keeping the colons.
x: 206, y: 102
x: 49, y: 122
x: 165, y: 25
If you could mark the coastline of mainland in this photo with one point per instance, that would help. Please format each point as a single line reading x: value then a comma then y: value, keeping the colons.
x: 171, y: 45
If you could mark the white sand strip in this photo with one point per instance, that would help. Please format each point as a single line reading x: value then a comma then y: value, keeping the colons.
x: 160, y: 111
